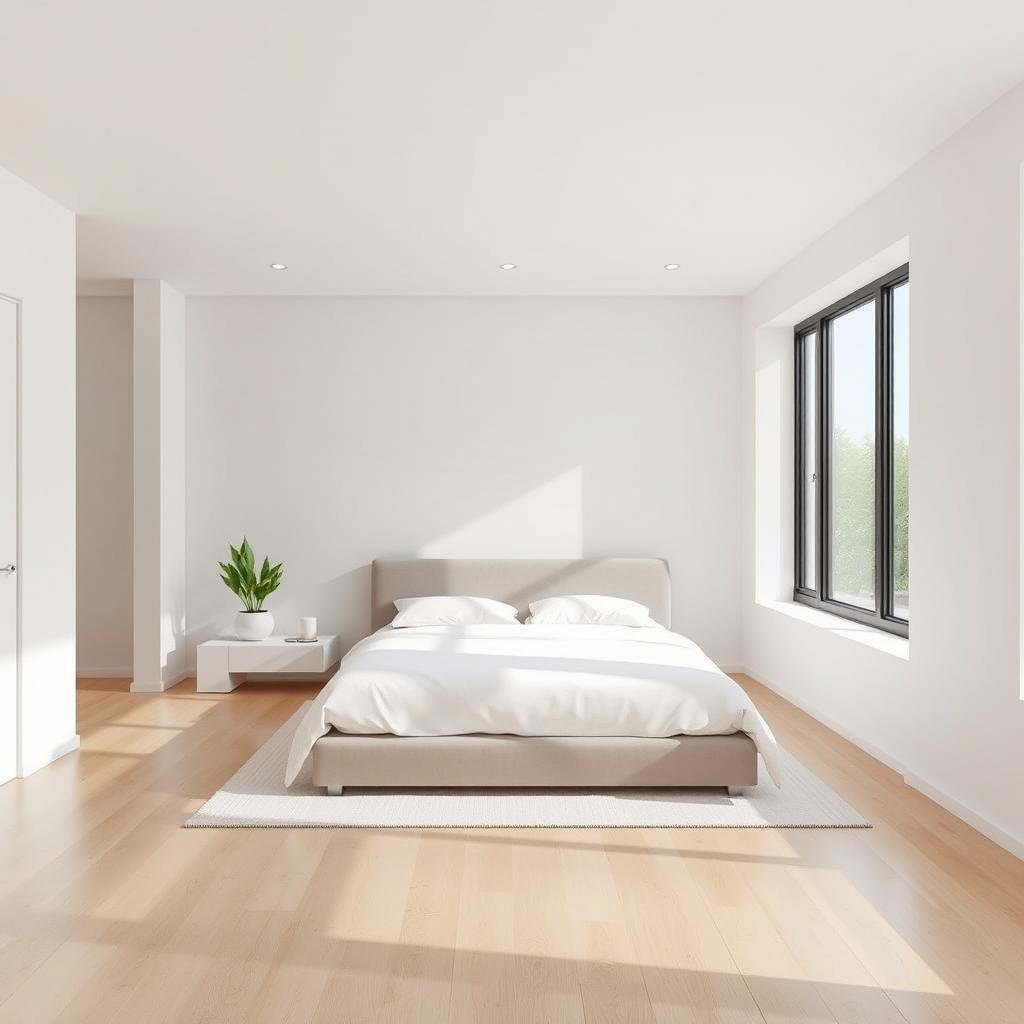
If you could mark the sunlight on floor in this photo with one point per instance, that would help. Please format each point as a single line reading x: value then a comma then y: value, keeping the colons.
x: 160, y: 712
x: 131, y: 740
x: 802, y: 925
x: 733, y: 902
x: 154, y: 878
x: 147, y: 727
x: 869, y: 933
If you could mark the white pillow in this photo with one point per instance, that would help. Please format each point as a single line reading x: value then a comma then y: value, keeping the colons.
x: 451, y: 611
x: 589, y: 610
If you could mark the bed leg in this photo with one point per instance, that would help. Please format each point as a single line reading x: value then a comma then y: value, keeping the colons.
x: 335, y: 790
x: 735, y: 790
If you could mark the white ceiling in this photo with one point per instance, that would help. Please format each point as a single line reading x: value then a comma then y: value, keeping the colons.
x: 410, y: 146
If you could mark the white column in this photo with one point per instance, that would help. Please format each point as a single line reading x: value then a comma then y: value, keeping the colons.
x: 159, y: 462
x: 37, y: 269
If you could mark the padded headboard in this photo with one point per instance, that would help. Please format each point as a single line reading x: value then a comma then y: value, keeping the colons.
x: 518, y: 581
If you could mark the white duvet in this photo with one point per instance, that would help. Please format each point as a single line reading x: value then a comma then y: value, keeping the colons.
x: 530, y: 681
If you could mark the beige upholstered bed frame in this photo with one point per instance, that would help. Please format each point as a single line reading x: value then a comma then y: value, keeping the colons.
x: 478, y: 760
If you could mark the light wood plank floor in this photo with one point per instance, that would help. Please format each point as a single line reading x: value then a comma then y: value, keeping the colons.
x: 110, y: 912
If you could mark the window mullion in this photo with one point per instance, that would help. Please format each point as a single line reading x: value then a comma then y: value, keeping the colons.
x: 822, y: 460
x: 800, y: 482
x: 881, y: 457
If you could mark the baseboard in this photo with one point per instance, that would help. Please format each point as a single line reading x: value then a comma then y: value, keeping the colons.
x: 104, y: 673
x: 154, y: 687
x: 68, y: 746
x: 1000, y: 837
x: 158, y: 686
x: 1007, y: 840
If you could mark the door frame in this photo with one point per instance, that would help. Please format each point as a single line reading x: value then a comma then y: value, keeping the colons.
x: 18, y: 738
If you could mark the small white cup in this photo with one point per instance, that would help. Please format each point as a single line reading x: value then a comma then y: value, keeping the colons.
x: 307, y: 629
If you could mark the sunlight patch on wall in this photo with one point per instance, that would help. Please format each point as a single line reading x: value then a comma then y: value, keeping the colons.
x: 545, y: 522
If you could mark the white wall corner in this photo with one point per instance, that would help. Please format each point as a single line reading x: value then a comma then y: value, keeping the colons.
x: 1007, y: 840
x: 816, y: 712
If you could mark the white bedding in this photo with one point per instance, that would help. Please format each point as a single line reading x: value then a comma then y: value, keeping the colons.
x: 530, y: 681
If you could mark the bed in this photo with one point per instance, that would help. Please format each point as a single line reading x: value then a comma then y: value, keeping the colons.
x: 529, y: 706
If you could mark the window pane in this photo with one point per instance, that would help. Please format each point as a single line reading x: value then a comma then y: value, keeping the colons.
x: 809, y: 483
x: 901, y: 450
x: 852, y: 354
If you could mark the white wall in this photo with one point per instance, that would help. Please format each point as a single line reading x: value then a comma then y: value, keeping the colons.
x: 946, y: 709
x: 104, y: 335
x: 37, y: 266
x: 334, y: 431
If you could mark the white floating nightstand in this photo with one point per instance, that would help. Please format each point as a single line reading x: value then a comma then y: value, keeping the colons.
x: 222, y: 665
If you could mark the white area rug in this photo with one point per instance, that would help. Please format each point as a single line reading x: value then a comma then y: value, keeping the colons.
x: 256, y: 797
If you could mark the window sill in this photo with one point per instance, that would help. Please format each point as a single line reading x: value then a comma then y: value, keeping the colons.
x: 877, y: 639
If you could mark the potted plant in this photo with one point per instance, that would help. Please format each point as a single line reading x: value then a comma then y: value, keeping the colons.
x: 253, y: 622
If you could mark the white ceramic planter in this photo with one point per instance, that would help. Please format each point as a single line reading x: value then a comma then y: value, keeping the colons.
x: 254, y: 625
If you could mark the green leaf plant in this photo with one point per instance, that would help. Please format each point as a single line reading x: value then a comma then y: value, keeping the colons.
x: 240, y: 577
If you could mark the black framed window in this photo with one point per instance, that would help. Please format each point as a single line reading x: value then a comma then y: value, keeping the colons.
x: 852, y: 508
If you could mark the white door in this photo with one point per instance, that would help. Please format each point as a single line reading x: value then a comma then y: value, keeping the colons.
x: 8, y: 539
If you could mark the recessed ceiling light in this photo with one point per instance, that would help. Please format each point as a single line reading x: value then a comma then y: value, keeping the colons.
x: 507, y: 266
x: 671, y: 266
x: 278, y: 266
